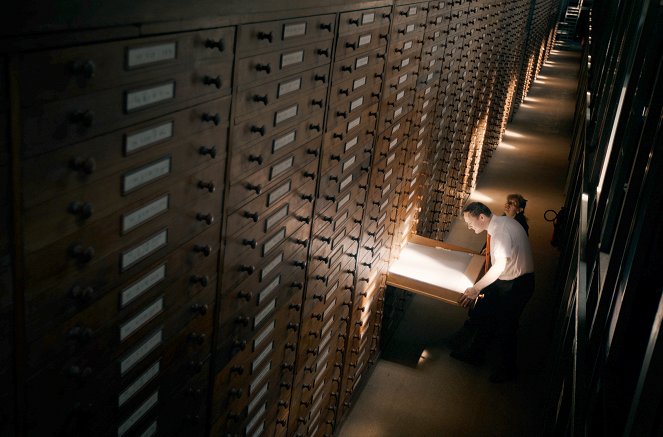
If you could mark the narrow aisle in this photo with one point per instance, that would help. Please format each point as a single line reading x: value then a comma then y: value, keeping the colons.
x: 416, y: 389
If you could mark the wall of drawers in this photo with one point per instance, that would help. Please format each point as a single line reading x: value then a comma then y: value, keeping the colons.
x: 198, y: 215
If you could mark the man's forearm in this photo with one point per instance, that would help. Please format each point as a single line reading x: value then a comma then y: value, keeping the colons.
x: 491, y: 275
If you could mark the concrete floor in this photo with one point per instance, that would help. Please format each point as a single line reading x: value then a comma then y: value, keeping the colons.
x: 416, y: 389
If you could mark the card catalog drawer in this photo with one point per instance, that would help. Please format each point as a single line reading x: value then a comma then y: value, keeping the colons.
x: 369, y: 79
x: 280, y: 117
x: 258, y: 99
x: 355, y: 66
x: 408, y: 47
x: 277, y: 64
x: 337, y: 150
x: 79, y: 118
x: 246, y: 160
x: 79, y: 210
x: 358, y: 21
x: 352, y: 44
x: 183, y: 135
x: 361, y: 122
x: 274, y: 35
x: 345, y: 109
x: 91, y: 68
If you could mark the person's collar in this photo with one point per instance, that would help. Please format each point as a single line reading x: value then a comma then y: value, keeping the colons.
x: 491, y: 224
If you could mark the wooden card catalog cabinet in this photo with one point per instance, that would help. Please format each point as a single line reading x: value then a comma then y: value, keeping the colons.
x: 435, y: 269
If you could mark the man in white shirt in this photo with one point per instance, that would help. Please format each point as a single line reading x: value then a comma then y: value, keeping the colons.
x: 506, y: 287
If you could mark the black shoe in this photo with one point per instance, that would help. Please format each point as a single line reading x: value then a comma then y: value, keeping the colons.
x: 473, y: 358
x: 503, y: 375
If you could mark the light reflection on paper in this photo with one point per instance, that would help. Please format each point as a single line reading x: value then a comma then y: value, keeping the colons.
x: 438, y: 267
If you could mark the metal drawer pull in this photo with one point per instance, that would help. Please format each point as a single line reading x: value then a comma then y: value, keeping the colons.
x: 300, y: 264
x: 216, y: 81
x: 323, y: 52
x: 297, y: 285
x: 263, y: 99
x: 209, y: 186
x: 82, y: 209
x: 349, y: 45
x: 248, y: 269
x: 246, y: 295
x: 251, y: 187
x: 347, y: 68
x: 354, y: 21
x: 211, y: 151
x: 82, y: 254
x: 80, y: 334
x: 295, y: 306
x: 83, y: 118
x: 308, y: 174
x: 326, y: 26
x: 80, y: 373
x: 83, y: 165
x: 307, y: 197
x: 242, y: 320
x: 264, y: 67
x: 237, y: 369
x: 253, y: 158
x: 206, y: 250
x: 196, y: 338
x: 216, y: 118
x: 304, y: 219
x: 201, y: 309
x: 207, y: 218
x: 253, y: 243
x: 315, y: 127
x: 211, y: 44
x: 320, y: 77
x: 260, y: 130
x: 202, y: 280
x: 86, y: 68
x: 82, y: 294
x: 268, y: 36
x: 319, y: 103
x: 235, y: 393
x: 252, y: 215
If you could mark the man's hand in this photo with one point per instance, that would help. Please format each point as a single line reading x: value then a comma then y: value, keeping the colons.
x: 469, y: 297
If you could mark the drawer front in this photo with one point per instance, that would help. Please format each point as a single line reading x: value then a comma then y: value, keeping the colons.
x: 337, y: 181
x: 357, y: 124
x: 99, y: 212
x: 280, y: 118
x: 356, y: 43
x: 356, y: 101
x: 279, y: 63
x: 413, y: 13
x: 370, y: 79
x: 355, y: 66
x: 336, y: 150
x: 182, y: 134
x: 58, y: 123
x: 407, y: 47
x: 275, y: 35
x: 254, y: 220
x: 260, y: 98
x: 92, y: 68
x: 358, y: 21
x: 246, y: 160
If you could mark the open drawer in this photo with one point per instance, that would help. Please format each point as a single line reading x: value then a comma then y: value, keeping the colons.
x: 435, y: 269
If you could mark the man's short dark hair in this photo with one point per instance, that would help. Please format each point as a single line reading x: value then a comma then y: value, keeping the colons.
x: 477, y: 208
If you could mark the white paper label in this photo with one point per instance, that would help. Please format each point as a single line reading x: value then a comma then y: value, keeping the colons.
x: 270, y: 266
x: 345, y: 182
x: 264, y: 294
x: 259, y: 377
x: 144, y: 249
x: 409, y: 28
x: 290, y: 86
x: 384, y: 204
x: 402, y: 79
x: 339, y: 222
x: 427, y: 91
x: 358, y: 83
x: 350, y: 144
x: 292, y: 58
x: 436, y: 34
x: 382, y: 218
x: 360, y: 62
x: 320, y: 374
x: 285, y: 114
x: 262, y: 315
x: 425, y: 105
x: 429, y: 77
x: 389, y: 173
x: 405, y: 62
x: 139, y: 56
x: 255, y: 419
x: 364, y: 39
x: 259, y: 430
x: 148, y: 137
x: 276, y: 217
x: 353, y: 124
x: 398, y: 111
x: 386, y: 189
x: 141, y: 319
x: 412, y: 11
x: 407, y: 45
x: 150, y: 430
x: 262, y: 356
x: 424, y: 117
x: 439, y: 20
x: 421, y: 131
x: 356, y: 103
x: 280, y: 143
x: 139, y: 287
x: 342, y: 202
x: 348, y: 163
x: 264, y: 334
x: 139, y: 383
x: 433, y: 49
x: 367, y: 18
x: 257, y: 398
x: 400, y: 95
x: 282, y: 166
x: 272, y: 242
x: 329, y: 323
x: 395, y: 128
x: 393, y: 143
x: 329, y: 309
x: 390, y: 158
x: 136, y: 416
x: 379, y: 233
x: 420, y: 143
x: 295, y: 29
x: 141, y: 351
x: 143, y: 214
x: 414, y: 181
x: 278, y: 193
x: 149, y: 96
x: 142, y: 176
